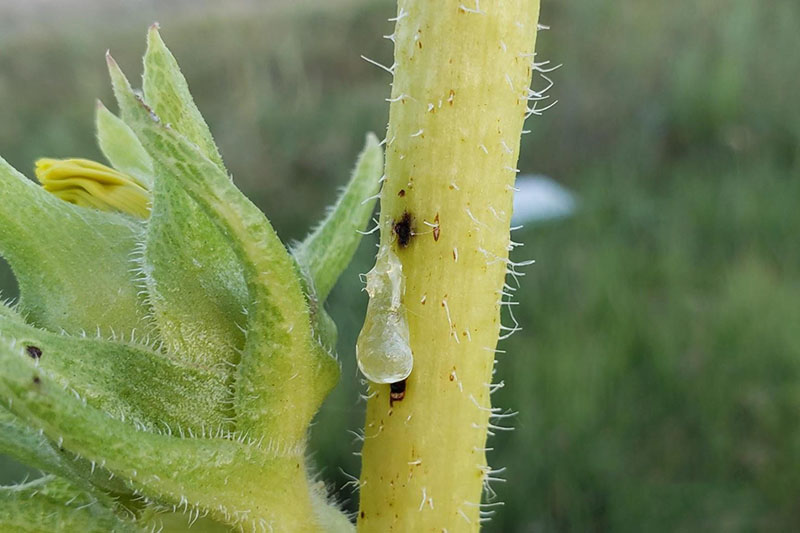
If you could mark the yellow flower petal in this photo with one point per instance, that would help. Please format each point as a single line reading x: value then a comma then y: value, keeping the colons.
x: 91, y: 184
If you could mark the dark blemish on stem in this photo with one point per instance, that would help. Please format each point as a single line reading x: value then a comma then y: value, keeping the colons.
x: 402, y: 228
x: 397, y: 391
x: 436, y: 228
x: 363, y: 514
x: 36, y: 380
x: 34, y: 351
x: 401, y: 193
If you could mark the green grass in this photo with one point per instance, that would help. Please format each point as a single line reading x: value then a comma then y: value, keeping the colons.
x: 658, y: 374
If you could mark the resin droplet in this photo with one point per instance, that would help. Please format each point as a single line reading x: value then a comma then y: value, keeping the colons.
x: 382, y: 350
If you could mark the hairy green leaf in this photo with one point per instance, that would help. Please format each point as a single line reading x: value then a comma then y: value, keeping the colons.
x: 167, y: 93
x: 327, y: 251
x: 191, y: 275
x: 29, y: 446
x: 236, y: 479
x: 61, y: 253
x: 121, y: 147
x: 52, y: 504
x: 125, y: 380
x: 280, y: 355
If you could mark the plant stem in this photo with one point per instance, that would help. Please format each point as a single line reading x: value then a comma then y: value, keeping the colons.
x: 461, y: 75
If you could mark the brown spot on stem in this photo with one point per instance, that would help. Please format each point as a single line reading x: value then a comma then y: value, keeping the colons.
x: 401, y: 193
x: 436, y: 228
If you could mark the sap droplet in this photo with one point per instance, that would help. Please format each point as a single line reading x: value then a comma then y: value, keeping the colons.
x: 382, y: 350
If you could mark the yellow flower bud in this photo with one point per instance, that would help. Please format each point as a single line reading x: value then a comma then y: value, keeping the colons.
x: 90, y: 184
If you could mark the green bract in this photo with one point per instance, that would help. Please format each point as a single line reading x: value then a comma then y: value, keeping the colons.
x: 171, y: 364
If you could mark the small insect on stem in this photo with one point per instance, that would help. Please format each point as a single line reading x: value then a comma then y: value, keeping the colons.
x: 403, y: 229
x: 33, y: 351
x: 397, y: 391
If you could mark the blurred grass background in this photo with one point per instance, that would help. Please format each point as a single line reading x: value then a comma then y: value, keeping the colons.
x: 658, y: 375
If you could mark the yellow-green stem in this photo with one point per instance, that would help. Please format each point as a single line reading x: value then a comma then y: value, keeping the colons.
x: 461, y: 74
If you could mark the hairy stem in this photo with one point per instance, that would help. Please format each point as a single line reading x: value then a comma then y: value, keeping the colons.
x: 461, y: 77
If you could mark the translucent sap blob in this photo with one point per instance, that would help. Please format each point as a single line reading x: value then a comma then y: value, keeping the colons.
x: 382, y: 350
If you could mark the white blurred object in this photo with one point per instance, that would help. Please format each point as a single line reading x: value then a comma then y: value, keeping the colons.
x: 540, y: 198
